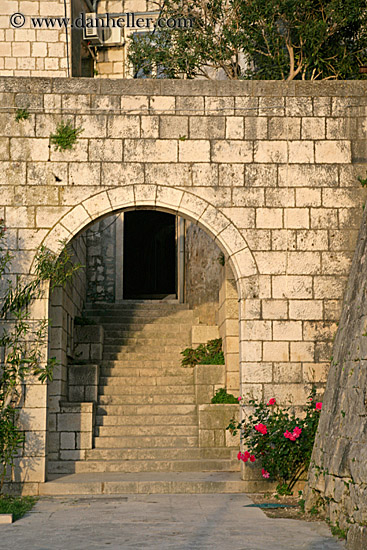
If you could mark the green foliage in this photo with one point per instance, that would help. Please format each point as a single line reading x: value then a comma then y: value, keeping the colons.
x: 279, y: 440
x: 297, y: 39
x: 362, y: 181
x: 205, y: 354
x: 11, y: 439
x: 337, y: 531
x: 84, y: 321
x: 23, y: 341
x: 302, y: 503
x: 22, y: 114
x: 221, y: 396
x: 65, y: 137
x: 18, y: 506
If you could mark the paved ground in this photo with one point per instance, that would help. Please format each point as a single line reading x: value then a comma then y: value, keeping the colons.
x: 179, y: 522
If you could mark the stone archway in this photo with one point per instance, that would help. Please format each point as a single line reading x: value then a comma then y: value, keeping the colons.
x: 176, y: 201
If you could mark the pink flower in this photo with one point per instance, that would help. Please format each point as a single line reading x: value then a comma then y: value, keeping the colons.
x: 272, y: 401
x: 261, y: 428
x: 292, y: 436
x: 252, y: 458
x: 243, y: 456
x: 239, y: 398
x: 318, y: 406
x: 289, y: 435
x: 265, y: 473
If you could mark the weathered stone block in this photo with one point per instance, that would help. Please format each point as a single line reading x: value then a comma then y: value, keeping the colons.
x: 194, y: 151
x: 232, y: 151
x: 150, y: 150
x: 209, y: 374
x: 174, y: 127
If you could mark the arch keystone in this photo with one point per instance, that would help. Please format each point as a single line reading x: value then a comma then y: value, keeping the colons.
x: 145, y: 195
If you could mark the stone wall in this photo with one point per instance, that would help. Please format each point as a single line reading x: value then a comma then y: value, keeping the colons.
x: 101, y: 260
x: 337, y: 476
x: 268, y: 169
x: 65, y: 305
x: 202, y: 274
x: 229, y: 327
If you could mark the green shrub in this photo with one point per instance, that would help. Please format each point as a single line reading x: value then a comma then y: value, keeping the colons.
x: 205, y: 354
x: 221, y: 396
x: 18, y: 506
x: 84, y: 321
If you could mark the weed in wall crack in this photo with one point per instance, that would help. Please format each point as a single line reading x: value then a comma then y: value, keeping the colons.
x: 22, y: 114
x: 65, y: 136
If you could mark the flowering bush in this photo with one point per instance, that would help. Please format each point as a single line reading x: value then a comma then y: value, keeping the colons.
x: 279, y: 440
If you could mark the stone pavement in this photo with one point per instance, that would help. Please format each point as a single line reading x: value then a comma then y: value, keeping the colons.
x: 179, y: 522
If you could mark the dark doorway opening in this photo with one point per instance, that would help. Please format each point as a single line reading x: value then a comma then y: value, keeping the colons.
x: 149, y: 255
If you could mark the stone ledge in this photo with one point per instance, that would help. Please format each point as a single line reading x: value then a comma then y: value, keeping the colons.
x: 231, y: 88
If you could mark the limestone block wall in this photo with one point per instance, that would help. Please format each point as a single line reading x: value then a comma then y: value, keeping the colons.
x: 88, y: 342
x: 101, y: 261
x: 268, y: 169
x: 229, y: 327
x: 76, y: 424
x: 83, y: 383
x: 337, y: 475
x: 202, y: 274
x: 213, y: 421
x: 65, y: 304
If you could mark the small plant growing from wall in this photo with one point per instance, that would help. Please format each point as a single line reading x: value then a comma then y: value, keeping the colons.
x: 65, y: 136
x: 22, y: 114
x: 23, y: 340
x: 221, y: 396
x: 205, y: 354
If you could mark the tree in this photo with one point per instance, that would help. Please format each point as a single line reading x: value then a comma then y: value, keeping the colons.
x: 253, y: 39
x: 23, y: 340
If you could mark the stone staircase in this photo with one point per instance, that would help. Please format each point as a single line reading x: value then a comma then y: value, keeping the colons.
x: 146, y: 413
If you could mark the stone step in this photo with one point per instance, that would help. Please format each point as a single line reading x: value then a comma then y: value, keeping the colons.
x: 155, y: 344
x: 142, y: 410
x: 153, y: 341
x: 149, y: 420
x: 146, y: 372
x: 146, y: 391
x: 188, y: 453
x: 109, y: 385
x: 142, y: 354
x: 145, y: 483
x: 106, y: 317
x: 141, y: 363
x: 147, y: 400
x: 142, y: 442
x: 156, y: 350
x: 162, y: 430
x: 137, y: 304
x: 131, y: 466
x: 142, y: 329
